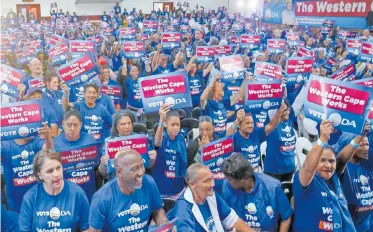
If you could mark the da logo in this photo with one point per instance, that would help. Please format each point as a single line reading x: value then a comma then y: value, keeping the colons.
x: 81, y: 89
x: 62, y: 57
x: 134, y: 209
x: 4, y: 88
x: 170, y: 101
x: 23, y: 131
x: 84, y: 78
x: 219, y: 162
x: 250, y: 149
x: 251, y: 208
x: 269, y: 211
x: 24, y: 154
x: 54, y: 213
x: 299, y: 78
x: 80, y: 165
x: 266, y: 104
x: 94, y: 118
x: 363, y: 180
x: 336, y: 120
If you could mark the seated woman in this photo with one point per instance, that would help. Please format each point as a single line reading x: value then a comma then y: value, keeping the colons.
x: 200, y: 209
x: 317, y: 182
x: 123, y: 126
x: 257, y: 198
x: 96, y: 118
x: 54, y: 204
x: 171, y: 161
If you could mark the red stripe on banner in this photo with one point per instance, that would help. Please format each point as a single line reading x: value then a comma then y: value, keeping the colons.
x: 18, y: 115
x: 218, y: 149
x: 338, y: 97
x: 77, y: 155
x: 137, y: 144
x: 263, y: 91
x: 334, y: 8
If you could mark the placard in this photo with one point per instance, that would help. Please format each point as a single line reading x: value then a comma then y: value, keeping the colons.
x: 171, y: 88
x: 80, y: 47
x: 24, y: 56
x: 150, y: 26
x: 369, y: 83
x: 78, y: 71
x: 167, y: 227
x: 58, y: 54
x: 115, y: 92
x: 215, y: 153
x: 128, y: 33
x: 304, y: 52
x: 36, y: 83
x: 268, y: 70
x: 345, y: 104
x: 250, y: 41
x: 232, y: 67
x: 298, y: 69
x: 10, y: 78
x: 276, y: 46
x: 134, y: 49
x: 205, y: 54
x: 134, y: 142
x: 20, y: 119
x: 346, y: 73
x: 263, y: 95
x: 366, y: 52
x: 171, y: 40
x: 78, y: 157
x: 223, y: 50
x: 353, y: 46
x: 56, y: 39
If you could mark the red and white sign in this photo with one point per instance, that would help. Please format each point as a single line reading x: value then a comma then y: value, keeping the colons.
x: 223, y: 50
x: 138, y: 144
x: 269, y: 70
x: 171, y: 37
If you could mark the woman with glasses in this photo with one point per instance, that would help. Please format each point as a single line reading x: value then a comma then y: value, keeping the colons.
x: 53, y: 204
x: 123, y: 126
x: 71, y: 137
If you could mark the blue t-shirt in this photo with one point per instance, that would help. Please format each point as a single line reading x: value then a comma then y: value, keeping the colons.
x: 168, y: 69
x: 67, y: 211
x: 112, y: 210
x: 105, y: 18
x: 318, y: 208
x: 106, y: 101
x: 207, y: 217
x: 187, y: 220
x: 280, y: 155
x: 357, y: 183
x: 133, y: 92
x: 9, y: 220
x: 117, y: 9
x: 196, y: 86
x: 261, y: 119
x: 170, y: 165
x: 84, y: 177
x: 263, y: 206
x: 218, y: 114
x: 26, y: 80
x: 97, y: 121
x: 250, y: 147
x: 18, y: 171
x: 53, y: 100
x: 117, y: 62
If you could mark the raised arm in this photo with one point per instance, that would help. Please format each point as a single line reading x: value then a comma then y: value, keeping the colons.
x: 207, y: 70
x: 207, y: 90
x: 162, y: 119
x: 275, y: 120
x: 191, y: 62
x: 348, y: 151
x: 178, y: 60
x: 308, y: 169
x: 156, y: 57
x: 65, y: 98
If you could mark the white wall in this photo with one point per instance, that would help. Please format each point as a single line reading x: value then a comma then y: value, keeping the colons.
x: 145, y: 5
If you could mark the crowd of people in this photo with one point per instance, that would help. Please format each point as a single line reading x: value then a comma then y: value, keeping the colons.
x: 331, y: 188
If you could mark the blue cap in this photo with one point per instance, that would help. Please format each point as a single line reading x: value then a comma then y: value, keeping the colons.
x: 32, y: 90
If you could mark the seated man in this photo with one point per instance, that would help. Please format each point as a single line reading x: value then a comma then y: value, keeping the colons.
x: 200, y: 209
x: 127, y: 202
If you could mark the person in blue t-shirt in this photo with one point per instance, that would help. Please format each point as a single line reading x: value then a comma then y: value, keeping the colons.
x: 74, y: 137
x: 52, y: 96
x: 36, y: 71
x: 104, y: 99
x: 280, y: 154
x: 16, y: 160
x: 97, y: 120
x: 123, y: 126
x: 247, y: 138
x: 117, y: 9
x: 317, y: 182
x: 53, y: 204
x: 171, y: 162
x: 257, y: 198
x: 216, y: 108
x: 160, y: 63
x: 200, y: 209
x: 127, y: 202
x: 9, y: 220
x: 75, y: 18
x: 357, y: 183
x: 105, y: 17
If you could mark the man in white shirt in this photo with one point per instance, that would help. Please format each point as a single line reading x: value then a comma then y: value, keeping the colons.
x: 288, y: 17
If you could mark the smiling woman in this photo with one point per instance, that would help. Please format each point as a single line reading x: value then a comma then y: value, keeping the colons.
x: 53, y: 198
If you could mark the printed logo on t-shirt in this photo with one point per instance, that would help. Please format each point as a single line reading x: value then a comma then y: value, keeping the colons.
x: 95, y: 126
x: 54, y: 213
x: 251, y: 208
x: 134, y: 210
x: 328, y: 224
x: 22, y: 168
x: 365, y: 195
x: 251, y: 219
x: 269, y: 211
x: 210, y: 224
x: 171, y: 162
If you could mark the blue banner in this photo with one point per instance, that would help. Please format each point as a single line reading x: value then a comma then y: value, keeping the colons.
x: 298, y: 69
x: 10, y: 78
x: 263, y: 95
x: 345, y: 104
x: 21, y: 119
x: 171, y: 88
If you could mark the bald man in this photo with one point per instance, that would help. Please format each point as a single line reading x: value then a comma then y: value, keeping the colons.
x: 36, y: 69
x: 127, y: 202
x: 199, y: 209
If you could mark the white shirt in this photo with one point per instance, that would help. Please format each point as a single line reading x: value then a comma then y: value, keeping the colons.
x: 288, y: 17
